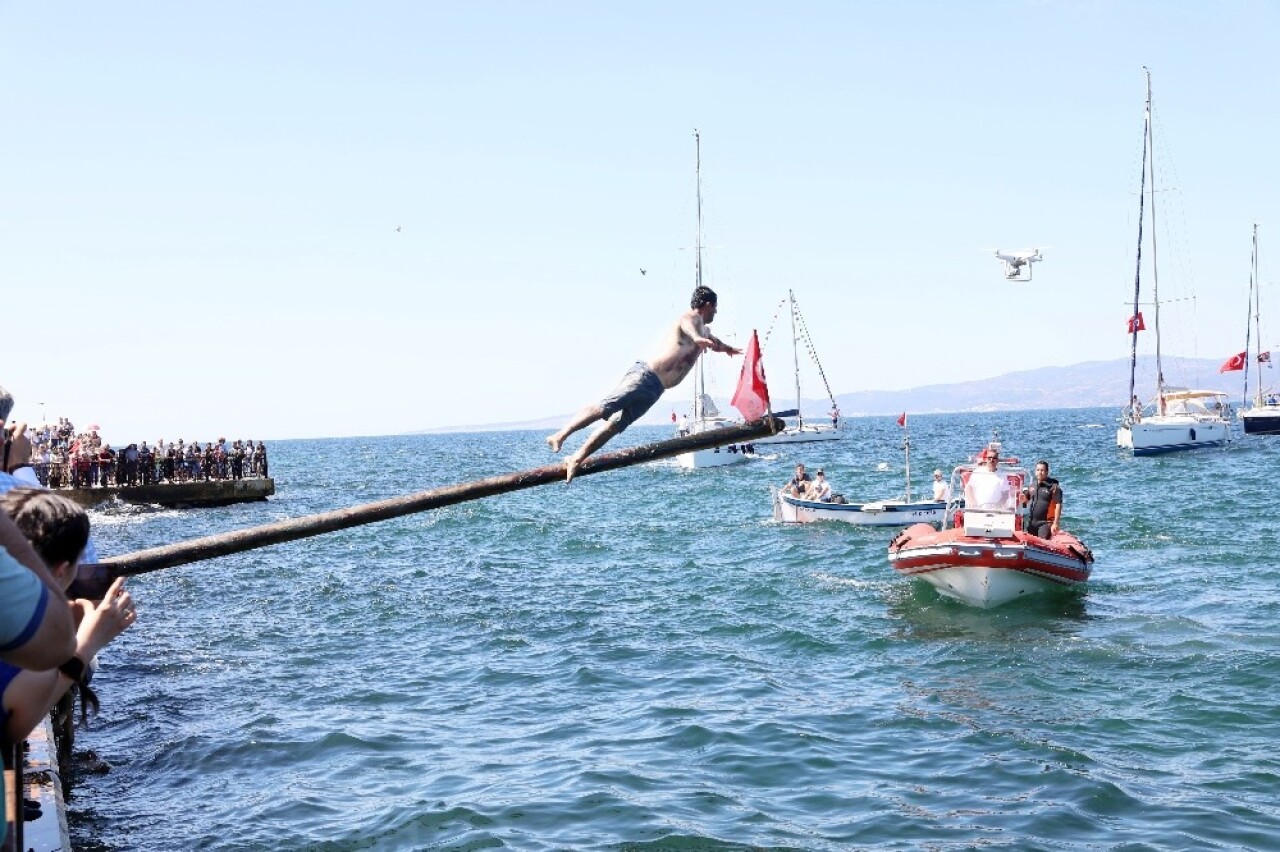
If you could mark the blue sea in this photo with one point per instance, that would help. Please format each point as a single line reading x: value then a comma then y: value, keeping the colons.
x: 644, y: 660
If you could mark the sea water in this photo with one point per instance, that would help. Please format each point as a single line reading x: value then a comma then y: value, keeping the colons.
x: 644, y: 660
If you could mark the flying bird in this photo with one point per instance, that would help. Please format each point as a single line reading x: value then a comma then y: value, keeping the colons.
x: 642, y: 272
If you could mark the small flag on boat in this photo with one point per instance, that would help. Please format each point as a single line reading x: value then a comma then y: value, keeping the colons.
x: 752, y: 395
x: 673, y: 417
x: 1264, y: 357
x: 1136, y: 324
x: 1235, y: 362
x: 902, y: 420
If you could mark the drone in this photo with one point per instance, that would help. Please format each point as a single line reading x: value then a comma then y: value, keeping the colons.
x: 1017, y: 264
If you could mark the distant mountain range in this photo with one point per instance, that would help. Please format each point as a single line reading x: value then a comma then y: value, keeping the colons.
x: 1090, y: 384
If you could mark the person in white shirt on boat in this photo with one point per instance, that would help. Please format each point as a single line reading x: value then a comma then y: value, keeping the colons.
x: 987, y: 488
x: 820, y: 490
x: 941, y: 490
x: 645, y: 382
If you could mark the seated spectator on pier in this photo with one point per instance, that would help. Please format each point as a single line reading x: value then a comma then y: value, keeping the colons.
x: 58, y: 529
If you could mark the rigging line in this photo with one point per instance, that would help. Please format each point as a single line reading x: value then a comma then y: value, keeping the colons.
x: 813, y: 354
x: 777, y: 312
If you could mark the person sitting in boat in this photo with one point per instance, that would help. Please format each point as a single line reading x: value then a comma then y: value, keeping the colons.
x: 820, y: 490
x: 941, y: 489
x: 1044, y: 501
x: 987, y: 488
x: 799, y: 484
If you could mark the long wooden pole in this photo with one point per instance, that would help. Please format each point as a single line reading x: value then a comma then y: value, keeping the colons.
x: 93, y: 580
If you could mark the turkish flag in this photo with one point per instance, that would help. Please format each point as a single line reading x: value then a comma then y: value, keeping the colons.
x: 1136, y: 324
x: 902, y: 419
x: 673, y: 417
x: 1235, y: 362
x: 752, y: 395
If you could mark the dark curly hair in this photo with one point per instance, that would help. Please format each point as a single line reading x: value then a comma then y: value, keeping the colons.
x: 57, y: 528
x: 702, y: 296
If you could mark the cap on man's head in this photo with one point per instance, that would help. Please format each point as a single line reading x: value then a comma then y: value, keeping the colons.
x: 937, y: 473
x: 6, y: 404
x: 819, y: 472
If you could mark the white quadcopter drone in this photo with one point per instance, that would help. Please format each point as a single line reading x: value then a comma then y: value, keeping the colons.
x: 1017, y: 264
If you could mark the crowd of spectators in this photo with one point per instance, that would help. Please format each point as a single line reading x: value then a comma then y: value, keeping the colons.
x: 49, y: 642
x: 61, y: 457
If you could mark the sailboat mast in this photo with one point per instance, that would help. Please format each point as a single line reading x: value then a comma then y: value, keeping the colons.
x: 906, y: 446
x: 1137, y: 275
x: 700, y: 380
x: 1252, y: 307
x: 795, y: 356
x: 1155, y: 274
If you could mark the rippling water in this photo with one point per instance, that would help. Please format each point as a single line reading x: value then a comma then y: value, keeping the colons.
x: 644, y: 661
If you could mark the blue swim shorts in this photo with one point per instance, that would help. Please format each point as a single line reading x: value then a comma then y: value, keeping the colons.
x: 634, y: 395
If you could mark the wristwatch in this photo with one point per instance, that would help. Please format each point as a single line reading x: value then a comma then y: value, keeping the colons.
x: 74, y: 668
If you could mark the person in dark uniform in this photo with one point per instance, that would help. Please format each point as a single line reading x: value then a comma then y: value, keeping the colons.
x: 1044, y: 502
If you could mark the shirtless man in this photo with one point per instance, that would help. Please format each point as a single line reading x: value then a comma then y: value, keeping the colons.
x: 645, y: 382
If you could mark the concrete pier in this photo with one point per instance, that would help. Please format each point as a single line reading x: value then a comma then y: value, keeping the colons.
x: 178, y: 495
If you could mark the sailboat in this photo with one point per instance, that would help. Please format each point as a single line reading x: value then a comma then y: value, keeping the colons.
x: 705, y: 414
x: 1263, y: 416
x: 1179, y: 418
x: 798, y: 431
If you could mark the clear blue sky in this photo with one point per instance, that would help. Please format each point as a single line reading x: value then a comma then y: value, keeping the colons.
x: 295, y: 219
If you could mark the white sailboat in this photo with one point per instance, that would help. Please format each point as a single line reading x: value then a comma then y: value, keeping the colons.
x: 1179, y: 418
x: 1263, y: 416
x: 705, y: 414
x: 799, y: 431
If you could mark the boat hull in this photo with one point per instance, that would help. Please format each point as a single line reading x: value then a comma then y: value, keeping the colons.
x: 886, y: 513
x: 1261, y: 420
x: 803, y: 435
x: 1155, y: 435
x: 988, y: 572
x: 713, y: 457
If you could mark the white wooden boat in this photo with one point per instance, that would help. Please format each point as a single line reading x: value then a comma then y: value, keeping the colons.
x: 894, y: 512
x: 790, y: 509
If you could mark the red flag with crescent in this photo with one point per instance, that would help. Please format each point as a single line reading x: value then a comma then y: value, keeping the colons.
x: 752, y: 395
x: 1235, y: 362
x: 1136, y: 324
x: 902, y: 419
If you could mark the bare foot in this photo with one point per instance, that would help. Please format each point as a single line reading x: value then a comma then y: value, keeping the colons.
x: 554, y: 442
x: 570, y: 468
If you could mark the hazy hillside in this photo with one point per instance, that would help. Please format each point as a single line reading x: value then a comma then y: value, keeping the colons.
x: 1085, y: 385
